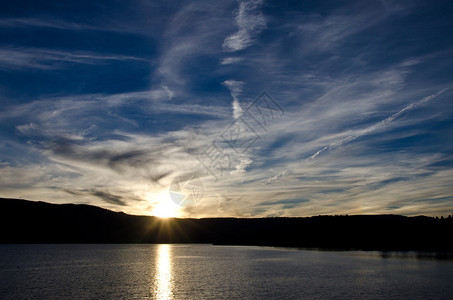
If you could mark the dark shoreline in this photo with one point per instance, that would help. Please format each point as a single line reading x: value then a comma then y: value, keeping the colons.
x: 32, y: 222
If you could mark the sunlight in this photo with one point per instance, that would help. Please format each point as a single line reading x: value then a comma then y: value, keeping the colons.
x: 164, y: 279
x: 164, y: 207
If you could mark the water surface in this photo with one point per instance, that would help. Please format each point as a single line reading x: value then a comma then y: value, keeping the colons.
x: 217, y: 272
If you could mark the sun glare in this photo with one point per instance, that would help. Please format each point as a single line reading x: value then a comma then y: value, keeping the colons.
x: 164, y: 207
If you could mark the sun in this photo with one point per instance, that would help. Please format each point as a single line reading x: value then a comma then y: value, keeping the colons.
x: 163, y: 207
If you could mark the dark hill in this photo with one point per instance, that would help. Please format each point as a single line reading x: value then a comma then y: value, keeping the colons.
x: 24, y: 221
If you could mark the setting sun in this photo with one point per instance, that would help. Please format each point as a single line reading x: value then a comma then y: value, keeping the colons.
x: 164, y: 207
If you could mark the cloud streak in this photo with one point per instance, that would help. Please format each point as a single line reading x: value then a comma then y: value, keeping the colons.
x: 368, y: 130
x: 235, y: 88
x: 231, y: 60
x: 250, y: 22
x: 50, y: 59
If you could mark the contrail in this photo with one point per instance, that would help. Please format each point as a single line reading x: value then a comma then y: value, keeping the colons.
x: 361, y: 132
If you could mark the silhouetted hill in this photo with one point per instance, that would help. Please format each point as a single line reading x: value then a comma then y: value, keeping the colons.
x: 24, y: 221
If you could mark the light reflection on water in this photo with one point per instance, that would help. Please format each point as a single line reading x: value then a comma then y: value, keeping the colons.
x: 215, y: 272
x: 163, y: 282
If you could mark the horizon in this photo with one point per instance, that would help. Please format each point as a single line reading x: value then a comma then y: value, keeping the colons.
x: 230, y: 217
x: 244, y: 109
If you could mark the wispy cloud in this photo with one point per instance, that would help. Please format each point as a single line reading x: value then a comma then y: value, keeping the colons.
x: 115, y: 22
x: 368, y: 130
x: 180, y: 47
x: 107, y: 197
x: 276, y: 177
x: 118, y: 146
x: 231, y: 60
x: 250, y: 22
x: 44, y: 22
x: 241, y: 167
x: 235, y: 88
x: 326, y: 32
x: 13, y: 58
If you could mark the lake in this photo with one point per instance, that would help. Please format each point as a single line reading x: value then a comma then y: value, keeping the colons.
x: 217, y: 272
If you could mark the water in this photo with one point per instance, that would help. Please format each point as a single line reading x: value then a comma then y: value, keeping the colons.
x: 216, y: 272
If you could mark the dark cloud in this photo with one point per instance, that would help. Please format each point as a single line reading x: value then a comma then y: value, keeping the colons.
x: 120, y: 161
x: 109, y: 198
x: 105, y: 196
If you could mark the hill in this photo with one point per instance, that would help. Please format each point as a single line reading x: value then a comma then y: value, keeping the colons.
x: 23, y: 221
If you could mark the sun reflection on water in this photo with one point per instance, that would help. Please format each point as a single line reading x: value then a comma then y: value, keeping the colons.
x: 163, y: 281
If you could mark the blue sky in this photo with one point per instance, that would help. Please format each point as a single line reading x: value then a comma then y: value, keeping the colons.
x: 338, y: 107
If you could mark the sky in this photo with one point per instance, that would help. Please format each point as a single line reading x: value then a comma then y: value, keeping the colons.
x: 246, y: 108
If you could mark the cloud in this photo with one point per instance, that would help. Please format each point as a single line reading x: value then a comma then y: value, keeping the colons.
x: 105, y: 196
x: 79, y: 118
x: 326, y: 32
x: 323, y: 66
x: 110, y: 198
x: 241, y: 167
x: 231, y: 60
x: 163, y: 93
x: 361, y: 132
x: 43, y: 22
x: 276, y: 177
x: 237, y: 110
x: 129, y: 164
x: 250, y: 22
x: 181, y: 48
x: 115, y: 21
x: 140, y: 161
x: 235, y: 88
x: 44, y: 59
